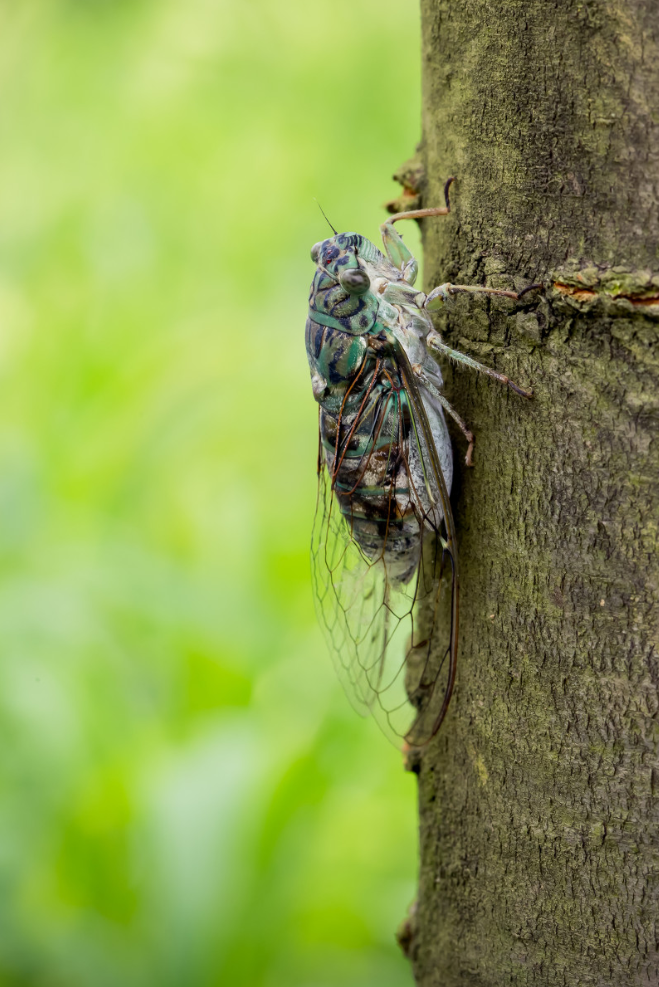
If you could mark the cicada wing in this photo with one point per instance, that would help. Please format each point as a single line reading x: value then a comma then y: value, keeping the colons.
x: 393, y: 639
x: 431, y: 658
x: 349, y: 590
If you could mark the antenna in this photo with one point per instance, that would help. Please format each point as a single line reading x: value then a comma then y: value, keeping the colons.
x: 323, y: 212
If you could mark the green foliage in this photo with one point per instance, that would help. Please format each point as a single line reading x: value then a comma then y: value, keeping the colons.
x: 186, y: 796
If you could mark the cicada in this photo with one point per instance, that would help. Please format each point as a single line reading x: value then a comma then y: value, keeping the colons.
x: 384, y: 547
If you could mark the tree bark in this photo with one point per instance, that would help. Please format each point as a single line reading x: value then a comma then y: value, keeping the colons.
x: 538, y: 798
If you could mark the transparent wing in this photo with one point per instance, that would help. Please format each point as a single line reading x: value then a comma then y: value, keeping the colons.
x: 393, y: 639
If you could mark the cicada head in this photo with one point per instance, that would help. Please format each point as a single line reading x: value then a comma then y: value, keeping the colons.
x: 338, y: 253
x: 340, y: 293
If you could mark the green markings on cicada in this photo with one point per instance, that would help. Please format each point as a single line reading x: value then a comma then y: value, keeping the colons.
x: 335, y: 358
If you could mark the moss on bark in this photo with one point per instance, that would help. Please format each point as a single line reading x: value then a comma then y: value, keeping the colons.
x: 538, y: 799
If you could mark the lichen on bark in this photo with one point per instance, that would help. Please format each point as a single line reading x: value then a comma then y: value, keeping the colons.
x: 538, y: 799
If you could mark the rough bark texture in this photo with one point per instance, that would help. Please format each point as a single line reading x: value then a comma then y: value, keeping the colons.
x: 538, y: 799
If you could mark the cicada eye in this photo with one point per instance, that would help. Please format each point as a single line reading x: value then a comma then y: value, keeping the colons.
x: 355, y: 281
x: 315, y: 251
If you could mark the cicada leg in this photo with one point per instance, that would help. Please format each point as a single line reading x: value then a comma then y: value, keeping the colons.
x: 441, y: 294
x: 397, y: 251
x: 435, y: 341
x: 469, y: 435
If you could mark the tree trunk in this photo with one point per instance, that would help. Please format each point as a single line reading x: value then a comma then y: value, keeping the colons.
x: 538, y: 798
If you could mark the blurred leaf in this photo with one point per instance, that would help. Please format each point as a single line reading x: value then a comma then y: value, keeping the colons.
x: 186, y: 795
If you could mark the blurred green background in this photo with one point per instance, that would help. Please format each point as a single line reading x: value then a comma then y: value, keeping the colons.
x: 186, y: 796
